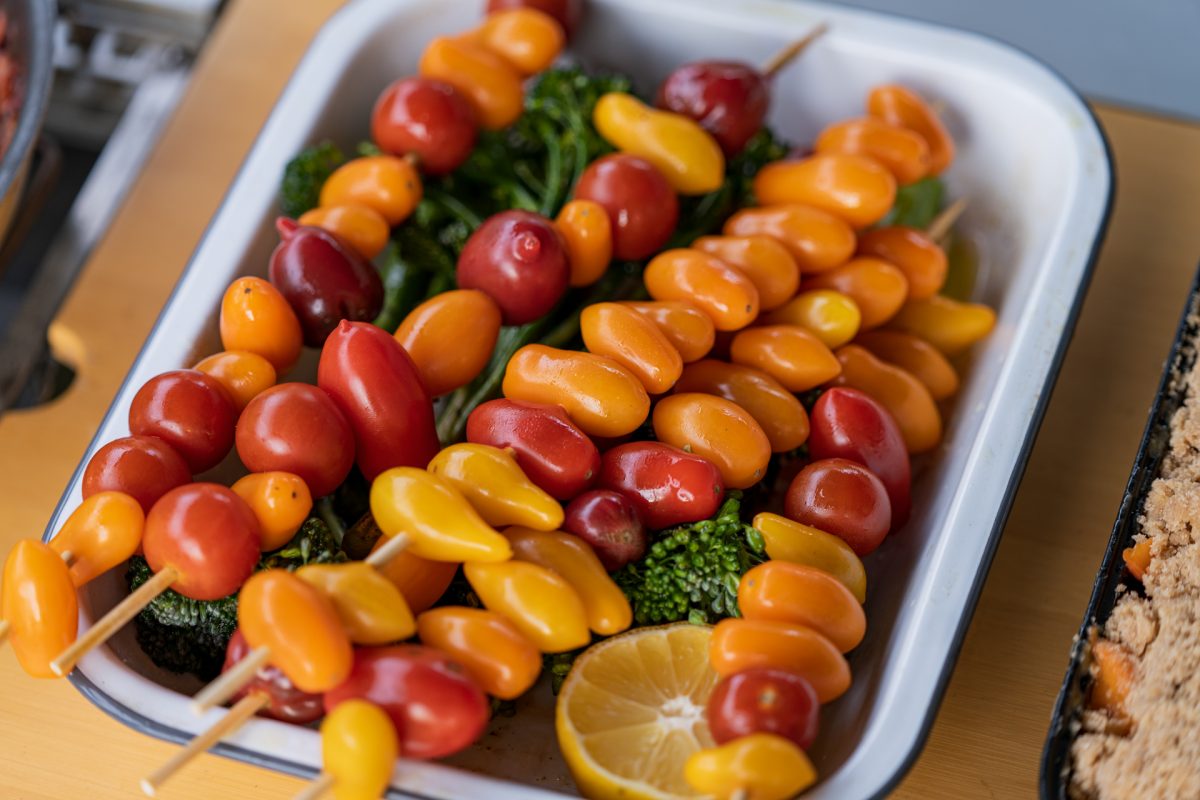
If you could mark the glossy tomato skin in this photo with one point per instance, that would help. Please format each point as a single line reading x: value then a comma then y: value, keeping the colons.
x: 611, y: 524
x: 764, y: 700
x: 188, y: 410
x: 846, y: 423
x: 565, y: 12
x: 428, y: 118
x: 667, y: 486
x: 287, y: 703
x: 436, y: 706
x: 519, y: 259
x: 844, y: 498
x: 208, y: 534
x: 551, y: 450
x: 728, y: 99
x: 297, y: 428
x: 143, y: 467
x: 376, y: 385
x: 640, y: 203
x: 323, y: 279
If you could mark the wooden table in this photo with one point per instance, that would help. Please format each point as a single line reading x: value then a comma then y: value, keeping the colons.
x: 988, y: 736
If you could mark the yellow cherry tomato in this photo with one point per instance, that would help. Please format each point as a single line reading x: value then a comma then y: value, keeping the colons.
x: 362, y: 227
x: 763, y: 259
x: 432, y: 333
x: 489, y: 82
x: 280, y: 502
x: 496, y: 487
x: 803, y: 544
x: 761, y: 766
x: 499, y: 657
x: 689, y: 330
x: 788, y: 353
x: 102, y: 533
x: 256, y: 318
x: 526, y: 38
x: 634, y: 342
x: 420, y: 580
x: 442, y: 524
x: 370, y: 606
x: 541, y: 604
x: 776, y: 410
x: 831, y: 316
x: 856, y: 188
x: 718, y: 289
x: 388, y: 185
x: 718, y: 430
x: 876, y: 287
x: 587, y: 231
x: 947, y: 324
x: 244, y: 375
x: 817, y: 239
x: 40, y: 605
x: 359, y: 748
x: 805, y: 595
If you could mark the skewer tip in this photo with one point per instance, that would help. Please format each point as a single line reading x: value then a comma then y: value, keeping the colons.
x: 148, y: 788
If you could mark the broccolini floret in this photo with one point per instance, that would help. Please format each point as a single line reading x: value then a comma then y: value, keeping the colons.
x: 304, y: 176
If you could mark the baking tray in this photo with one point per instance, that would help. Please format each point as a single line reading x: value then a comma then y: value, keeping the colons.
x: 1036, y: 168
x: 1156, y: 442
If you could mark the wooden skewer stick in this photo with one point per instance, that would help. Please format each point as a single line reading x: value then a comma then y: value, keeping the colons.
x: 246, y: 708
x: 219, y: 691
x: 5, y: 628
x: 944, y: 221
x: 317, y: 788
x: 391, y: 548
x: 114, y: 620
x: 740, y: 794
x: 789, y: 53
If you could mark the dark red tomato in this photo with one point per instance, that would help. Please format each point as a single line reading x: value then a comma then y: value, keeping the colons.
x: 610, y: 523
x: 567, y: 12
x: 846, y: 423
x: 190, y: 411
x: 550, y: 449
x: 323, y: 279
x: 764, y: 700
x: 436, y: 706
x: 286, y: 702
x: 728, y: 99
x: 640, y: 203
x: 297, y: 428
x: 844, y: 498
x: 666, y: 485
x: 208, y: 534
x: 428, y: 118
x: 143, y: 467
x: 376, y: 385
x: 519, y: 260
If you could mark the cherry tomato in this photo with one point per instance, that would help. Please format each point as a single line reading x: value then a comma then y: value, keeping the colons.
x: 760, y: 766
x: 432, y: 335
x: 875, y: 286
x: 899, y: 106
x: 359, y: 747
x: 388, y: 185
x: 788, y: 353
x: 774, y: 408
x: 847, y: 423
x: 103, y: 532
x: 845, y: 499
x: 207, y: 534
x: 38, y: 601
x: 528, y: 39
x: 565, y: 12
x: 188, y: 410
x: 718, y: 430
x: 904, y: 397
x: 280, y: 502
x: 740, y: 644
x: 361, y: 227
x: 297, y: 428
x: 588, y: 235
x: 539, y: 602
x: 686, y: 327
x: 764, y: 700
x: 817, y: 239
x: 496, y: 487
x: 518, y: 258
x: 497, y: 655
x: 858, y: 189
x: 375, y: 384
x: 729, y: 99
x: 244, y: 375
x: 947, y: 324
x: 487, y: 80
x: 143, y: 467
x: 323, y: 279
x: 911, y: 251
x: 915, y: 356
x: 667, y: 485
x: 610, y: 523
x: 256, y: 318
x: 634, y: 342
x: 831, y: 316
x: 904, y: 152
x: 723, y: 292
x: 803, y: 544
x: 426, y: 117
x: 806, y: 596
x: 420, y: 580
x: 370, y: 607
x: 639, y: 201
x: 434, y: 703
x: 287, y: 703
x: 763, y: 259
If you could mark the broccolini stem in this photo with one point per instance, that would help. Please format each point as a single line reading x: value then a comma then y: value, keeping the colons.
x: 453, y: 205
x: 325, y: 511
x: 403, y: 285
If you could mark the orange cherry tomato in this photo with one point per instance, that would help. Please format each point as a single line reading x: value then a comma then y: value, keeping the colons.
x: 716, y: 288
x: 280, y: 502
x: 858, y: 189
x: 717, y: 430
x: 739, y: 644
x: 40, y: 605
x: 904, y: 152
x: 914, y: 355
x: 362, y: 227
x: 831, y: 316
x: 599, y: 395
x: 388, y: 185
x: 1137, y: 558
x: 817, y: 239
x: 540, y: 603
x: 102, y: 533
x: 947, y: 324
x: 244, y: 375
x: 420, y: 580
x: 487, y: 80
x: 634, y: 342
x: 528, y: 39
x: 586, y: 229
x: 1115, y: 674
x: 781, y: 590
x: 905, y: 397
x: 433, y: 334
x: 763, y: 259
x: 875, y: 286
x: 911, y: 251
x: 788, y: 540
x: 686, y: 327
x: 499, y: 657
x: 788, y: 353
x: 775, y: 409
x: 299, y: 626
x: 761, y: 766
x: 256, y: 318
x: 904, y: 108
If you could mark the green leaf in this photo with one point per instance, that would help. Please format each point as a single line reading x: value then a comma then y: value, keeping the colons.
x: 916, y: 204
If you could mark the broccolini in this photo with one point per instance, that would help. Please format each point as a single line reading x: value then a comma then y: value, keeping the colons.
x: 304, y: 176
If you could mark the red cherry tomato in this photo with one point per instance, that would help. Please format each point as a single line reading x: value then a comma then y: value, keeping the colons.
x: 143, y: 467
x: 519, y: 259
x: 436, y: 706
x: 666, y: 485
x: 549, y: 447
x: 843, y: 498
x: 566, y: 12
x: 727, y: 98
x: 426, y: 117
x: 297, y: 428
x: 764, y: 700
x: 846, y: 423
x: 376, y: 385
x: 188, y: 410
x: 610, y: 523
x: 208, y: 534
x: 639, y: 201
x: 286, y: 702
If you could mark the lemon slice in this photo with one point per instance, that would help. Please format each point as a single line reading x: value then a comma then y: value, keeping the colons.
x: 632, y: 711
